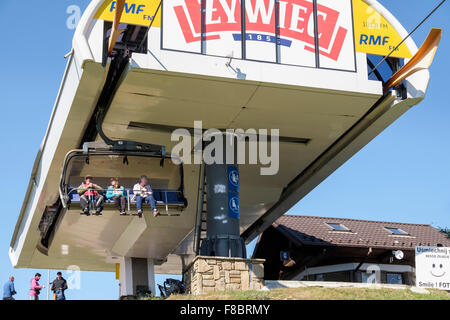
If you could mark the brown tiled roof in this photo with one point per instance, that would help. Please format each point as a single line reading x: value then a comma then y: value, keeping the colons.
x: 309, y: 230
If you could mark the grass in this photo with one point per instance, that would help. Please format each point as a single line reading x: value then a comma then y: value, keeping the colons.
x: 318, y: 293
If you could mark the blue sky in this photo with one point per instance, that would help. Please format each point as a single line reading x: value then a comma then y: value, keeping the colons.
x: 402, y: 175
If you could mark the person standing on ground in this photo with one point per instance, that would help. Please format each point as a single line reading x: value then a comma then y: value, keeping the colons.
x: 59, y: 286
x: 9, y: 290
x: 35, y: 287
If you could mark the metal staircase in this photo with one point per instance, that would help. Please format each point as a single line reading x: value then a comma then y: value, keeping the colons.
x: 200, y: 224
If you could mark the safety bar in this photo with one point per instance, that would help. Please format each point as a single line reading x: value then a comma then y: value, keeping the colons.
x: 130, y: 192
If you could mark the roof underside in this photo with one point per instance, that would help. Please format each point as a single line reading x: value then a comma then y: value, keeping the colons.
x: 151, y: 97
x: 171, y: 99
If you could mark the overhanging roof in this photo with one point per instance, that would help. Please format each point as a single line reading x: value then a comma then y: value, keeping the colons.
x: 315, y: 231
x: 336, y: 112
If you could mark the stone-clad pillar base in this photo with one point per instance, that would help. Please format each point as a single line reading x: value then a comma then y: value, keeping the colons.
x: 209, y: 274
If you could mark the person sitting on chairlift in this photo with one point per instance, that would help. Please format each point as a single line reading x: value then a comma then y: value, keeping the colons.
x: 143, y: 193
x: 117, y: 193
x: 90, y: 191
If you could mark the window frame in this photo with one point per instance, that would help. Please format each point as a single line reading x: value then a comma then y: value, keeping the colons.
x: 401, y: 232
x: 330, y: 225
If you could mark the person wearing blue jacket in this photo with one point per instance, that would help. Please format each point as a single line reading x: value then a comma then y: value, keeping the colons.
x: 117, y: 193
x: 9, y: 290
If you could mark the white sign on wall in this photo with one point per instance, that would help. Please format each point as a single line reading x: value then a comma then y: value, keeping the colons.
x: 433, y: 267
x: 280, y: 31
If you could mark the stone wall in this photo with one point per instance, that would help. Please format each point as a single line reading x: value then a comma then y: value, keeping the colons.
x: 206, y: 274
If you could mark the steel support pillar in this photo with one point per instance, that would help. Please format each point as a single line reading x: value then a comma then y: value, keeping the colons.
x: 223, y: 212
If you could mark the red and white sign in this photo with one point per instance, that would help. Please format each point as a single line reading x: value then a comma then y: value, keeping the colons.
x: 223, y: 30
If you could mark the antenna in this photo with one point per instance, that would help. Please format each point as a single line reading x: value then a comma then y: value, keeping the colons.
x: 409, y: 34
x: 150, y: 26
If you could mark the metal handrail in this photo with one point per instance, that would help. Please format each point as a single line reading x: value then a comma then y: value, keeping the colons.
x: 128, y: 195
x: 127, y: 190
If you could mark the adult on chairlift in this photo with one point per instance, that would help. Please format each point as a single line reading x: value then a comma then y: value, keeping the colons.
x: 88, y: 192
x: 117, y: 193
x: 143, y: 193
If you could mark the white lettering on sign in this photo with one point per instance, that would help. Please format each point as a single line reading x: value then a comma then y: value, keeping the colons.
x: 296, y: 18
x: 259, y: 10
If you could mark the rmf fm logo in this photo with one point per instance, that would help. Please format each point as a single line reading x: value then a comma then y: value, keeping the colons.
x: 133, y: 9
x: 129, y: 8
x: 373, y: 41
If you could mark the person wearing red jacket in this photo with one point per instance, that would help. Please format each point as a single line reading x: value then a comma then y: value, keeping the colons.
x: 90, y: 191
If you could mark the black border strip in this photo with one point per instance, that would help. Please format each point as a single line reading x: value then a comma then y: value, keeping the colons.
x: 243, y: 31
x: 203, y: 27
x: 277, y: 32
x: 354, y: 38
x: 316, y: 34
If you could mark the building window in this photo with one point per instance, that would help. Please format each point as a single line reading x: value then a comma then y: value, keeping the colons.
x: 397, y: 231
x: 369, y: 277
x: 394, y: 278
x: 338, y: 227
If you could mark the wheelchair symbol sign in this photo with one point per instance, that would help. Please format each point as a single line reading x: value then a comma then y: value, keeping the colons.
x: 284, y: 256
x: 233, y: 206
x: 233, y: 179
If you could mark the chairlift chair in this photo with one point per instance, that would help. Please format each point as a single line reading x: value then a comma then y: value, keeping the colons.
x: 165, y: 177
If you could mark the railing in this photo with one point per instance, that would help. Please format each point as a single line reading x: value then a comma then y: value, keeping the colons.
x: 166, y: 198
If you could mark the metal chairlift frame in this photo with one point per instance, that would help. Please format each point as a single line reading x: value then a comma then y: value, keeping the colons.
x: 117, y: 70
x: 88, y: 151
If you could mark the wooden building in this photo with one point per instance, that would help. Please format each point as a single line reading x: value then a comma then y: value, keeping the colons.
x: 347, y: 250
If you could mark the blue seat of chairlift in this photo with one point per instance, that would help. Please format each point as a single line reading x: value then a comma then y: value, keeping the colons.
x: 172, y: 198
x: 159, y: 195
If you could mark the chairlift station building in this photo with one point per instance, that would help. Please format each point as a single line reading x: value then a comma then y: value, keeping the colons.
x: 300, y: 66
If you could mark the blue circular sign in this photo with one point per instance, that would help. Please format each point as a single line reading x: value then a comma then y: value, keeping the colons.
x: 234, y: 204
x: 233, y: 177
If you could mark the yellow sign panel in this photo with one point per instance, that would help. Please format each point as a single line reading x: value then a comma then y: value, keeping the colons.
x: 137, y: 12
x: 374, y: 34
